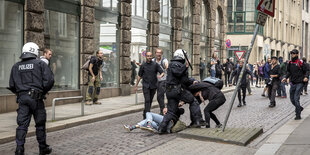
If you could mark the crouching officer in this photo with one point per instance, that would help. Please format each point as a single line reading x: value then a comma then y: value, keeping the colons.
x: 205, y: 91
x: 177, y: 82
x: 30, y: 80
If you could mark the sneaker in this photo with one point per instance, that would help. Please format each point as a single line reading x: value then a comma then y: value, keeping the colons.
x: 302, y: 108
x: 272, y: 105
x: 263, y: 95
x: 244, y: 103
x: 297, y: 118
x: 46, y: 150
x: 239, y: 105
x: 219, y: 126
x: 97, y: 102
x: 147, y: 128
x: 128, y: 128
x: 88, y: 103
x: 306, y: 93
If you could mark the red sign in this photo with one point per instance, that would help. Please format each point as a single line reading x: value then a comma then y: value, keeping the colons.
x: 239, y: 54
x: 228, y: 43
x: 143, y: 53
x: 267, y: 7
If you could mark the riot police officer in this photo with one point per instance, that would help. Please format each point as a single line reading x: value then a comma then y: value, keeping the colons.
x: 30, y: 80
x: 177, y: 84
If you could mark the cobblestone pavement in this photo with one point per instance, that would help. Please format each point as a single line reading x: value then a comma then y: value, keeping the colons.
x: 109, y: 137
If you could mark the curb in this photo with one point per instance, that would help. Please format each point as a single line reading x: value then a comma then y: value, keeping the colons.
x: 72, y: 122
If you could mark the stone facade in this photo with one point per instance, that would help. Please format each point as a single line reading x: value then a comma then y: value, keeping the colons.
x: 306, y: 30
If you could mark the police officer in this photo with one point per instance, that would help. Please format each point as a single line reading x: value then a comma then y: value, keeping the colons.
x: 205, y: 91
x: 30, y: 80
x: 177, y: 82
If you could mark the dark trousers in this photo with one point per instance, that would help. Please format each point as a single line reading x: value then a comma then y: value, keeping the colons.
x: 133, y: 77
x: 305, y: 86
x: 243, y: 88
x: 213, y: 104
x: 218, y: 76
x: 148, y: 98
x: 174, y: 96
x: 272, y: 89
x: 248, y: 87
x: 295, y: 91
x: 26, y: 108
x: 227, y: 77
x: 281, y: 89
x: 161, y: 90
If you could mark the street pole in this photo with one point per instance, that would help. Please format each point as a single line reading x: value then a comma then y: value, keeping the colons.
x: 240, y: 77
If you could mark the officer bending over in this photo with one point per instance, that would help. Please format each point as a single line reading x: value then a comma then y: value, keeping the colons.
x: 177, y: 82
x: 30, y: 80
x: 205, y: 91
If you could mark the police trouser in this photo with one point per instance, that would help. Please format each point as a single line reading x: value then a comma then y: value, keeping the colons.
x: 213, y: 104
x: 26, y: 108
x: 243, y: 88
x: 174, y: 96
x: 93, y: 89
x: 161, y: 90
x: 148, y: 98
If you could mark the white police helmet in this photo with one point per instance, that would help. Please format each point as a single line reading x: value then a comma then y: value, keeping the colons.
x: 30, y: 50
x: 179, y: 53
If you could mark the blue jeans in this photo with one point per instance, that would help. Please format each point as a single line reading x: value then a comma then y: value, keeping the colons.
x: 281, y: 89
x: 295, y: 91
x: 155, y: 120
x: 213, y: 72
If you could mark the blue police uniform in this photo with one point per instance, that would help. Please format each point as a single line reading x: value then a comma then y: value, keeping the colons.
x: 30, y: 80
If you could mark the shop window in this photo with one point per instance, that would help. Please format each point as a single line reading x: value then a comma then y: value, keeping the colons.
x: 62, y: 36
x: 11, y: 40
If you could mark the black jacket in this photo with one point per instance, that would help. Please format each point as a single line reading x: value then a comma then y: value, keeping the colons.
x: 236, y: 74
x: 31, y: 74
x: 177, y: 74
x: 209, y: 91
x: 296, y: 71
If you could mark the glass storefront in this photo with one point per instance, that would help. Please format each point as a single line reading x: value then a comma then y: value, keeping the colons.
x: 165, y: 45
x: 204, y: 39
x: 11, y: 39
x: 187, y: 37
x: 61, y: 34
x: 105, y: 38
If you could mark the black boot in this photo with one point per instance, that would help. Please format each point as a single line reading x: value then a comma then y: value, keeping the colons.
x: 19, y: 150
x: 272, y: 105
x: 45, y: 150
x: 239, y: 105
x: 244, y: 103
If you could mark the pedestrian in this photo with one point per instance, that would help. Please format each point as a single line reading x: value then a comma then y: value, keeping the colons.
x: 94, y: 78
x: 282, y: 89
x: 148, y: 72
x: 244, y: 82
x: 248, y: 78
x: 47, y: 55
x: 266, y: 70
x: 218, y: 69
x: 261, y: 73
x: 274, y: 74
x: 202, y: 68
x: 161, y: 81
x: 213, y: 62
x: 177, y: 90
x: 152, y: 122
x: 304, y: 59
x: 228, y: 68
x: 298, y: 74
x: 133, y: 72
x: 30, y: 80
x: 205, y: 91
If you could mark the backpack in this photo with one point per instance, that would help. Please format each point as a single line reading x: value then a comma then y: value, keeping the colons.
x: 179, y: 126
x: 218, y: 83
x: 299, y: 63
x: 218, y: 69
x: 161, y: 63
x: 86, y: 64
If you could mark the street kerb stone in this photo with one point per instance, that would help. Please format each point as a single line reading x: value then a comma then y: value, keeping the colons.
x: 238, y: 136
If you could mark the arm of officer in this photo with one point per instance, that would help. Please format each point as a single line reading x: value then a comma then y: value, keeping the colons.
x: 48, y: 78
x: 12, y: 83
x: 178, y: 70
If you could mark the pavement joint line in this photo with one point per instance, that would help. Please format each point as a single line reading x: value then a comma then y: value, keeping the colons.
x: 262, y: 149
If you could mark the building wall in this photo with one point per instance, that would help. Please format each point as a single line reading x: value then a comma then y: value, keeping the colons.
x: 281, y: 33
x: 306, y: 31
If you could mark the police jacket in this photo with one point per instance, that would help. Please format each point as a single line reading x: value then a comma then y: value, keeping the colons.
x: 177, y: 73
x: 30, y: 74
x: 209, y: 91
x: 236, y: 74
x: 296, y: 71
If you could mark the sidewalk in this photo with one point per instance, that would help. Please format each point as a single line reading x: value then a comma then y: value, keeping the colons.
x: 292, y: 138
x: 69, y: 115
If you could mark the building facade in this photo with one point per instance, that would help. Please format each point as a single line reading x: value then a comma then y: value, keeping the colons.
x: 123, y: 29
x: 305, y: 30
x: 280, y: 34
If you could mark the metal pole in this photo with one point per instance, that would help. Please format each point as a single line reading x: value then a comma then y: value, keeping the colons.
x: 137, y: 97
x: 240, y: 77
x: 53, y: 109
x: 82, y: 109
